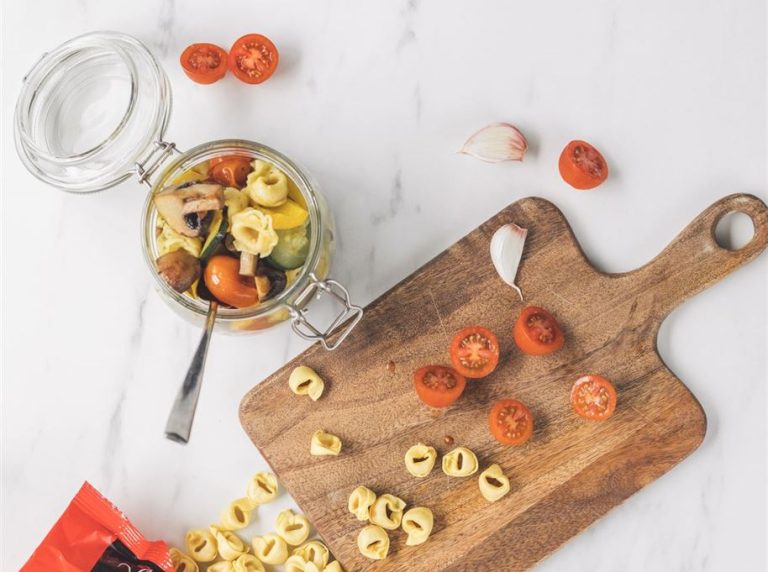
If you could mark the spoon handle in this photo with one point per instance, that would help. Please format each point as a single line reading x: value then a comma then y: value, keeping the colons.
x: 179, y: 423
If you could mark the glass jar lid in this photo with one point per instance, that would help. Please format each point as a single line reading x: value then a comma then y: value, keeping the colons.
x: 90, y: 110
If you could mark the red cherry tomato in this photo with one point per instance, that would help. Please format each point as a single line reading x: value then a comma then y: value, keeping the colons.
x: 475, y: 352
x: 593, y: 397
x: 222, y: 277
x: 582, y: 166
x: 230, y: 171
x: 511, y: 422
x: 253, y: 58
x: 204, y: 63
x: 438, y: 386
x: 537, y: 332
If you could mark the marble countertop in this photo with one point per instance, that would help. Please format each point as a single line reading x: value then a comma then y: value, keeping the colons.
x: 374, y: 99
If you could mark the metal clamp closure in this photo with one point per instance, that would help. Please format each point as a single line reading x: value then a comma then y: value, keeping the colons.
x: 160, y: 152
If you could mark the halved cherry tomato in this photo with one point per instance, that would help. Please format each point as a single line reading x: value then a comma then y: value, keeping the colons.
x: 438, y: 386
x: 582, y: 166
x: 204, y: 63
x: 230, y: 171
x: 253, y: 58
x: 593, y: 397
x: 475, y: 352
x: 222, y: 277
x: 537, y: 332
x: 511, y: 422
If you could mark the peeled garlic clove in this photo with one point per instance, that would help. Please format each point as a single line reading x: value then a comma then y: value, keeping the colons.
x: 495, y: 143
x: 506, y: 251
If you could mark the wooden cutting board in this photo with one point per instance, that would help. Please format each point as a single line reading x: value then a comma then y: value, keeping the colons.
x: 572, y: 471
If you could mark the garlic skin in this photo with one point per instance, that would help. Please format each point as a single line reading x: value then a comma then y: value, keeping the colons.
x: 495, y: 143
x: 506, y: 251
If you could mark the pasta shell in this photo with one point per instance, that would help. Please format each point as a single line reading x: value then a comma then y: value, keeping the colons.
x: 267, y: 185
x: 182, y: 562
x: 230, y: 545
x: 373, y: 542
x: 270, y: 548
x: 387, y: 511
x: 223, y: 566
x: 294, y: 528
x: 333, y: 567
x: 247, y: 563
x: 262, y: 488
x: 494, y: 484
x: 235, y: 201
x: 420, y: 459
x: 253, y: 232
x: 296, y: 563
x: 461, y: 462
x: 323, y: 443
x: 201, y: 545
x: 238, y: 514
x: 360, y: 502
x: 305, y: 381
x: 417, y: 524
x: 313, y: 551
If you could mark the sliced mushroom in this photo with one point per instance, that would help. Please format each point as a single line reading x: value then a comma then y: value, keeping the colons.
x: 269, y: 282
x: 185, y: 206
x: 179, y: 269
x: 248, y: 263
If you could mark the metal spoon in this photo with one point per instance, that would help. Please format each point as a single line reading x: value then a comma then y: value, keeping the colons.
x: 179, y: 423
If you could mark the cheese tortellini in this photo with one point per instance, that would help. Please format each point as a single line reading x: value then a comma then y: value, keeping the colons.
x: 333, y: 567
x: 201, y: 545
x: 360, y: 502
x: 247, y: 563
x: 270, y: 548
x: 494, y: 484
x: 294, y: 528
x: 373, y: 542
x: 238, y: 514
x: 296, y: 563
x: 262, y: 488
x: 417, y: 524
x: 235, y: 200
x: 461, y: 462
x: 387, y: 511
x: 168, y: 240
x: 253, y: 232
x: 266, y: 184
x: 230, y: 545
x: 323, y: 443
x: 313, y: 551
x: 305, y: 381
x: 223, y: 566
x: 182, y: 562
x: 420, y: 459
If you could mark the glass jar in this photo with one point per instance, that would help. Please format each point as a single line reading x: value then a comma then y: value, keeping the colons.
x: 93, y: 112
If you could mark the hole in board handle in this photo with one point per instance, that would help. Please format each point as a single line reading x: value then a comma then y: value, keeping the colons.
x: 734, y: 230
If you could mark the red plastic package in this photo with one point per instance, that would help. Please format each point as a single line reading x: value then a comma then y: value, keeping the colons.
x: 94, y: 536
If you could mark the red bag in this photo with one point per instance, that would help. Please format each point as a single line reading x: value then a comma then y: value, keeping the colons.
x: 94, y: 536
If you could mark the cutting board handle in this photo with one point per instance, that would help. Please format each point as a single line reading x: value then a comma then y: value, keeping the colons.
x: 694, y: 260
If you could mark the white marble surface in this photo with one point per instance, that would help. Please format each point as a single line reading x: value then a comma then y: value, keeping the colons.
x: 374, y: 99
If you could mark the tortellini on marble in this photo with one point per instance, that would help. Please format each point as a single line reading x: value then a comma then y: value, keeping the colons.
x: 313, y: 551
x: 266, y: 184
x: 494, y: 484
x: 323, y: 443
x: 294, y: 528
x: 305, y: 381
x: 223, y: 566
x: 373, y: 542
x: 201, y: 545
x: 253, y: 232
x: 235, y: 200
x: 420, y: 459
x: 238, y: 514
x: 182, y: 562
x: 360, y: 502
x: 417, y: 524
x: 333, y: 567
x: 262, y: 488
x: 296, y: 563
x: 247, y: 563
x: 460, y: 462
x: 270, y: 548
x: 387, y: 511
x: 168, y: 240
x: 230, y: 545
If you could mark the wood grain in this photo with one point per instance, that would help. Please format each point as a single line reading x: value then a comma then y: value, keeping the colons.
x: 572, y: 471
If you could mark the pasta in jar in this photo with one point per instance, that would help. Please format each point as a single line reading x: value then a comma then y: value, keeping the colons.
x: 494, y: 484
x: 201, y: 545
x: 461, y: 462
x: 238, y: 514
x: 313, y: 551
x: 168, y: 240
x: 247, y: 563
x: 305, y: 381
x: 270, y: 548
x: 262, y: 488
x: 373, y: 542
x: 182, y: 562
x: 296, y: 563
x: 323, y: 443
x: 294, y: 528
x: 253, y: 232
x: 420, y: 459
x: 235, y: 200
x: 417, y: 524
x: 267, y: 185
x: 360, y: 502
x: 387, y: 511
x: 230, y: 545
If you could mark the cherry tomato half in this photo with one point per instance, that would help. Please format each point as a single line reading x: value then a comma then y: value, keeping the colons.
x: 475, y: 352
x: 582, y: 166
x: 511, y: 422
x: 537, y: 332
x: 593, y: 397
x: 253, y: 58
x: 230, y: 171
x: 222, y: 277
x: 204, y: 63
x: 438, y: 386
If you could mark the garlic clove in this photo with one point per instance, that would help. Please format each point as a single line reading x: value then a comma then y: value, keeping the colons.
x: 495, y: 143
x: 506, y: 252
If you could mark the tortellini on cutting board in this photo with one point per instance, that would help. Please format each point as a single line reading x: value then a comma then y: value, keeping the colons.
x: 201, y: 545
x: 296, y: 563
x: 333, y: 567
x: 262, y: 488
x: 230, y: 545
x: 323, y: 443
x: 305, y: 381
x: 460, y: 462
x: 270, y: 548
x: 294, y: 528
x: 182, y: 562
x: 417, y: 524
x: 253, y: 232
x: 223, y: 566
x: 494, y: 484
x: 387, y: 511
x: 313, y: 551
x: 360, y: 502
x: 247, y: 563
x: 238, y: 514
x: 373, y: 542
x: 420, y: 459
x: 267, y: 185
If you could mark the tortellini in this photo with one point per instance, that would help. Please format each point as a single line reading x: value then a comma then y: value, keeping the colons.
x: 168, y: 240
x: 247, y: 563
x: 313, y: 551
x: 270, y: 548
x: 262, y: 488
x: 323, y: 443
x: 223, y: 566
x: 333, y: 567
x: 420, y: 459
x: 235, y: 200
x: 373, y: 542
x: 387, y: 511
x: 230, y: 545
x: 360, y: 502
x: 238, y: 514
x: 461, y: 462
x: 305, y: 381
x: 267, y: 185
x: 182, y: 562
x: 296, y: 563
x: 294, y: 528
x: 417, y: 524
x: 494, y: 484
x: 201, y: 545
x: 253, y: 232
